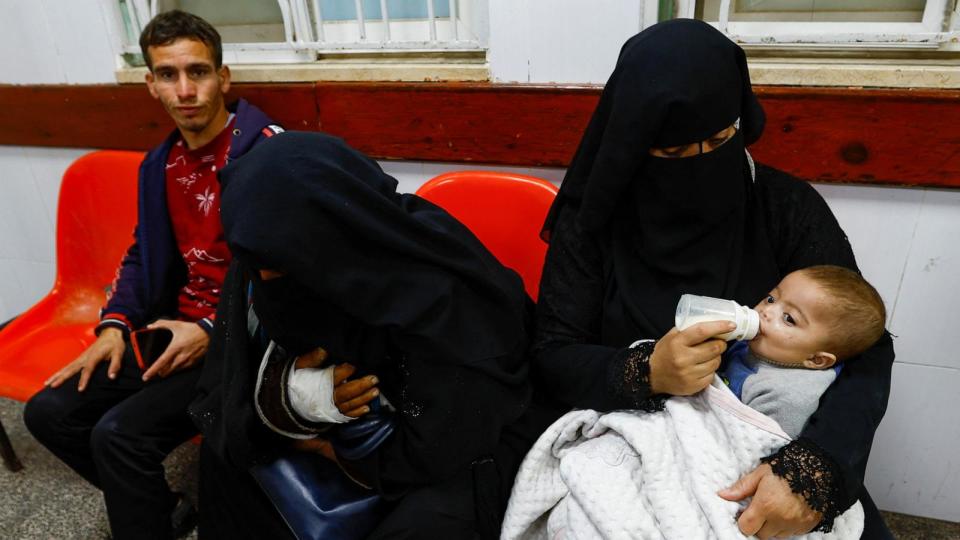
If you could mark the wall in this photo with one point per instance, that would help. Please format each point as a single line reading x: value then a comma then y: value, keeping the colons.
x: 28, y: 206
x: 905, y: 242
x: 904, y: 238
x: 42, y: 42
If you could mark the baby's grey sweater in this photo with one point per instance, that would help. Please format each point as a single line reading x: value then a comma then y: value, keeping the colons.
x: 788, y: 395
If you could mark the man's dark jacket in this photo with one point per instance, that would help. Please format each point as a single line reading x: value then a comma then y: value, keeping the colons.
x: 152, y: 272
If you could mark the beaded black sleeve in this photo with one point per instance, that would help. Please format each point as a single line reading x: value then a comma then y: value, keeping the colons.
x: 813, y: 475
x: 631, y: 384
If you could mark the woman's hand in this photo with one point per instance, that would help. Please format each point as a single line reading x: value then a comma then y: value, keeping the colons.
x: 313, y: 359
x: 318, y: 446
x: 683, y: 362
x: 775, y: 511
x: 351, y: 397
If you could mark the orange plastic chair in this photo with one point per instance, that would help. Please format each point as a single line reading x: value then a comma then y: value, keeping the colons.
x: 95, y: 219
x: 504, y: 210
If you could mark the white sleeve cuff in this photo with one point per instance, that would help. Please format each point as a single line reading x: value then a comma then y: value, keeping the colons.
x: 311, y: 395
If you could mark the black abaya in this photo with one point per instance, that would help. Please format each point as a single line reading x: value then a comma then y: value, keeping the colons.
x: 586, y: 366
x: 630, y: 232
x: 393, y: 285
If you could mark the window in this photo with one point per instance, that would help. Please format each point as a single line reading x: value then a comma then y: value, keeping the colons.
x: 830, y: 24
x: 862, y: 43
x: 376, y: 39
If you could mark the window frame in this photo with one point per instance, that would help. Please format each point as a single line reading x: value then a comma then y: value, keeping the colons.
x: 935, y: 32
x: 304, y: 54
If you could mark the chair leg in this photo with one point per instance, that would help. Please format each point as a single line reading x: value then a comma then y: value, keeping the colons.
x: 10, y: 460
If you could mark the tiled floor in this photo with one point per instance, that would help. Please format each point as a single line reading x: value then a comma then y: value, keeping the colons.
x: 47, y: 500
x: 906, y: 527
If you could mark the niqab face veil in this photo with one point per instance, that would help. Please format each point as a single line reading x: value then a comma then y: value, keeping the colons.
x: 676, y: 225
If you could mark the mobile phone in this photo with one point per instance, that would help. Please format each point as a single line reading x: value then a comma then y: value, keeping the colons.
x: 148, y: 344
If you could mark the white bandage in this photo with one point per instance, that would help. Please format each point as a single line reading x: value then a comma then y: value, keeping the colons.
x: 311, y: 395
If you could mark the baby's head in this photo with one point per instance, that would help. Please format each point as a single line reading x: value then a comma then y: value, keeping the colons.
x: 817, y: 316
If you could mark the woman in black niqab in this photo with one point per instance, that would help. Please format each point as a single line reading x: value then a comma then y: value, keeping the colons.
x: 633, y: 228
x: 393, y: 285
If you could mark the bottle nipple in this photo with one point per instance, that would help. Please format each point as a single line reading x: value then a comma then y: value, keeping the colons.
x: 752, y: 326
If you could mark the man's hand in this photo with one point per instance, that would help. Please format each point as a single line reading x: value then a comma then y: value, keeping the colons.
x: 108, y: 346
x: 189, y: 343
x: 775, y: 511
x: 683, y: 362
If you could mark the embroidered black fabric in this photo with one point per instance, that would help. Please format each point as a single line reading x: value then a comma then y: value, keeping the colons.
x: 812, y: 475
x: 631, y: 376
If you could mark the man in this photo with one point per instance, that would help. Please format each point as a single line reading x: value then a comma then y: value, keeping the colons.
x: 104, y: 416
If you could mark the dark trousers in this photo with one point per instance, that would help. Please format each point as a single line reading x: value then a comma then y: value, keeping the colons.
x: 116, y: 434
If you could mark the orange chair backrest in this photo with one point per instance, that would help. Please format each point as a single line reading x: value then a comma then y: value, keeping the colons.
x: 96, y: 215
x: 504, y: 210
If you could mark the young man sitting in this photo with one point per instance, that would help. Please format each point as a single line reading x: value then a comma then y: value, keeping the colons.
x: 102, y: 414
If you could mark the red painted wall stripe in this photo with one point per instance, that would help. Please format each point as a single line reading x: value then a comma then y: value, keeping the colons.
x: 905, y: 137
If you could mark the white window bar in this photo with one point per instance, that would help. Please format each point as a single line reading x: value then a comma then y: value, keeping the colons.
x: 286, y: 16
x: 318, y: 20
x: 385, y: 17
x: 432, y: 20
x: 361, y: 23
x: 649, y: 13
x: 453, y: 18
x: 724, y: 16
x: 142, y: 13
x: 933, y: 14
x: 928, y: 33
x: 686, y: 9
x: 301, y: 19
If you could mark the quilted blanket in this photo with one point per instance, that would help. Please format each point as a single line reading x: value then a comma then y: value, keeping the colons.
x: 631, y: 474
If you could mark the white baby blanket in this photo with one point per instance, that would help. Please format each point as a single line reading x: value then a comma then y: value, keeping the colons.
x: 627, y: 475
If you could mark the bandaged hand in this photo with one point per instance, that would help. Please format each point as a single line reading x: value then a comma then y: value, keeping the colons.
x: 327, y: 394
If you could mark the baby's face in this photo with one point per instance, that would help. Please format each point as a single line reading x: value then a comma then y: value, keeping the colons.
x: 793, y: 321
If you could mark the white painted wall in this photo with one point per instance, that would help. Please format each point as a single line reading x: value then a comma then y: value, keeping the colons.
x: 906, y: 243
x: 57, y: 41
x: 562, y: 41
x: 29, y: 185
x: 43, y: 42
x: 905, y: 239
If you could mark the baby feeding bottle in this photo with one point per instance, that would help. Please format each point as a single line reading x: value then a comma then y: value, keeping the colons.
x: 694, y: 309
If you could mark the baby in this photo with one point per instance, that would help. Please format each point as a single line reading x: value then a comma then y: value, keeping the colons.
x: 813, y: 319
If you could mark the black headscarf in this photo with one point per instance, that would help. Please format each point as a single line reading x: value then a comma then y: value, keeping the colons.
x: 678, y: 225
x: 370, y: 275
x: 330, y: 219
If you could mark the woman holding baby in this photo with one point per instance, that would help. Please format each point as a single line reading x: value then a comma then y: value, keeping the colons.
x: 662, y: 199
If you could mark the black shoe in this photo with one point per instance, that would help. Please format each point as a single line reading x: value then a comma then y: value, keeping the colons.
x: 183, y: 519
